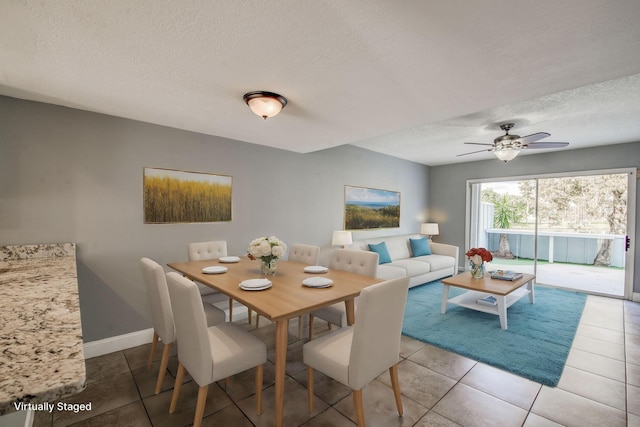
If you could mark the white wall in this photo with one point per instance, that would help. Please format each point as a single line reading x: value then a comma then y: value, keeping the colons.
x: 73, y: 176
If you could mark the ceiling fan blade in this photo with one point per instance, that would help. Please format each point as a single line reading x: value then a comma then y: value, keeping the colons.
x: 478, y: 143
x: 533, y: 137
x: 546, y: 145
x: 474, y: 152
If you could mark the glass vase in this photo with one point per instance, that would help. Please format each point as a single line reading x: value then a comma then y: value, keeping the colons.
x: 268, y: 268
x: 477, y: 270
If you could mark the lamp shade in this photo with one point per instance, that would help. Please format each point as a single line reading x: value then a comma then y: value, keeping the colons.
x: 507, y: 154
x: 341, y: 238
x: 430, y: 229
x: 265, y: 104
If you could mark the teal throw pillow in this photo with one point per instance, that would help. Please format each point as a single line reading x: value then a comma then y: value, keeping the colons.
x: 420, y: 247
x: 381, y: 250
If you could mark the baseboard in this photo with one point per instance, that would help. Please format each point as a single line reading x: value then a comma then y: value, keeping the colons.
x: 117, y: 343
x: 134, y: 339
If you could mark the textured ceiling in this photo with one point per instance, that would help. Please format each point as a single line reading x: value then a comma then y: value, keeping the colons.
x: 413, y: 79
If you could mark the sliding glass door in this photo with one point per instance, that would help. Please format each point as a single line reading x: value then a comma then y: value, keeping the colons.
x: 503, y: 221
x: 569, y: 230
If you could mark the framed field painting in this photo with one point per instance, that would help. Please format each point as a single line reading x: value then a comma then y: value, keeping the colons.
x: 172, y: 196
x: 368, y: 208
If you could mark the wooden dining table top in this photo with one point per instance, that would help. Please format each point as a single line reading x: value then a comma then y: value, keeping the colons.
x: 287, y: 297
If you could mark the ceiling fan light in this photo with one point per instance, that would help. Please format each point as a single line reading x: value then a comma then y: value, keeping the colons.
x: 265, y: 104
x: 506, y: 154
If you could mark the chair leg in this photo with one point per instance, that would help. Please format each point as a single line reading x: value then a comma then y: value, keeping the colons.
x: 202, y: 401
x: 330, y: 326
x: 230, y: 310
x: 357, y: 402
x: 176, y: 388
x: 154, y: 343
x: 310, y: 387
x: 249, y: 314
x: 393, y: 372
x: 163, y: 366
x: 259, y: 375
x: 257, y: 320
x: 310, y: 327
x: 300, y: 327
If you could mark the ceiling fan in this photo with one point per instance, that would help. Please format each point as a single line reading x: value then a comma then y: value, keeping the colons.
x: 507, y: 147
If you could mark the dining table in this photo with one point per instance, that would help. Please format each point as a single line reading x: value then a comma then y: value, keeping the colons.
x: 287, y: 298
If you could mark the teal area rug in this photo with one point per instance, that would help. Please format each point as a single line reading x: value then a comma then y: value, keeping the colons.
x: 535, y: 345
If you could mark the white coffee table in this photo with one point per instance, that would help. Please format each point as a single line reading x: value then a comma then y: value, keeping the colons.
x: 506, y: 293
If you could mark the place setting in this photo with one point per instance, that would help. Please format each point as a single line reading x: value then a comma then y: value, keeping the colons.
x: 316, y: 269
x: 214, y: 269
x: 255, y: 284
x: 317, y: 282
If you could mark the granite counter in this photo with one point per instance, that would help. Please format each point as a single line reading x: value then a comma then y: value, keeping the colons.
x: 41, y: 357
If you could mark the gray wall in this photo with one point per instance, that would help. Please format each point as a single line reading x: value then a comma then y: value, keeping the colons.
x: 447, y: 184
x: 73, y: 176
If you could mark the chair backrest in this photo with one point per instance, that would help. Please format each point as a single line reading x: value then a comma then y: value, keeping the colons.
x: 207, y: 250
x: 161, y: 314
x: 378, y: 329
x: 191, y: 328
x: 307, y: 254
x: 360, y: 262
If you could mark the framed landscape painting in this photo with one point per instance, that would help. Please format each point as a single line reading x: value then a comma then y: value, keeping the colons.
x: 172, y: 196
x: 368, y: 208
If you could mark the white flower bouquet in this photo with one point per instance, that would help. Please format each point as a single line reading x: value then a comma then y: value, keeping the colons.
x: 268, y: 250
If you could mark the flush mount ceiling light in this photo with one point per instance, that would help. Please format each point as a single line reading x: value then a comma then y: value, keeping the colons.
x: 265, y: 104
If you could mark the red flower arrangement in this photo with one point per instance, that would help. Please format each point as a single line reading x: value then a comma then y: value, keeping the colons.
x: 484, y: 254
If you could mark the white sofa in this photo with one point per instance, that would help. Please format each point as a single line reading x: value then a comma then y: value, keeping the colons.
x: 442, y: 262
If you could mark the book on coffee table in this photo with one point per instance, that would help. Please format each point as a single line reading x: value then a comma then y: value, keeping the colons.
x: 488, y: 300
x: 505, y: 275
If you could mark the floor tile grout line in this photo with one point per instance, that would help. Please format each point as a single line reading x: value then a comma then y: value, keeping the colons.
x: 146, y: 411
x: 596, y: 374
x: 459, y: 381
x: 626, y: 369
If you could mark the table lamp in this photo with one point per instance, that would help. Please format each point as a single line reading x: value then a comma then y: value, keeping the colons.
x: 341, y: 238
x: 430, y: 229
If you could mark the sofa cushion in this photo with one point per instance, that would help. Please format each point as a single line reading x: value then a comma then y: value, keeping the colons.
x: 381, y: 250
x: 437, y: 262
x: 388, y: 272
x: 412, y: 267
x: 420, y: 247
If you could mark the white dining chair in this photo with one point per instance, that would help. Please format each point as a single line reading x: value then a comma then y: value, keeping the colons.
x: 306, y: 254
x: 212, y: 353
x: 354, y: 261
x: 356, y: 355
x: 210, y: 250
x: 162, y: 316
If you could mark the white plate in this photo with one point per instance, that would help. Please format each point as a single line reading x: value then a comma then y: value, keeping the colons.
x: 316, y: 269
x: 317, y: 282
x: 229, y: 259
x: 214, y: 269
x: 255, y: 283
x: 256, y: 289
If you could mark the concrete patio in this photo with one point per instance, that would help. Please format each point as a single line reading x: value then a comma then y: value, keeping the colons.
x: 587, y: 278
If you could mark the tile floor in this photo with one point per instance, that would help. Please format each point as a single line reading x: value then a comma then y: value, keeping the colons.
x: 600, y: 386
